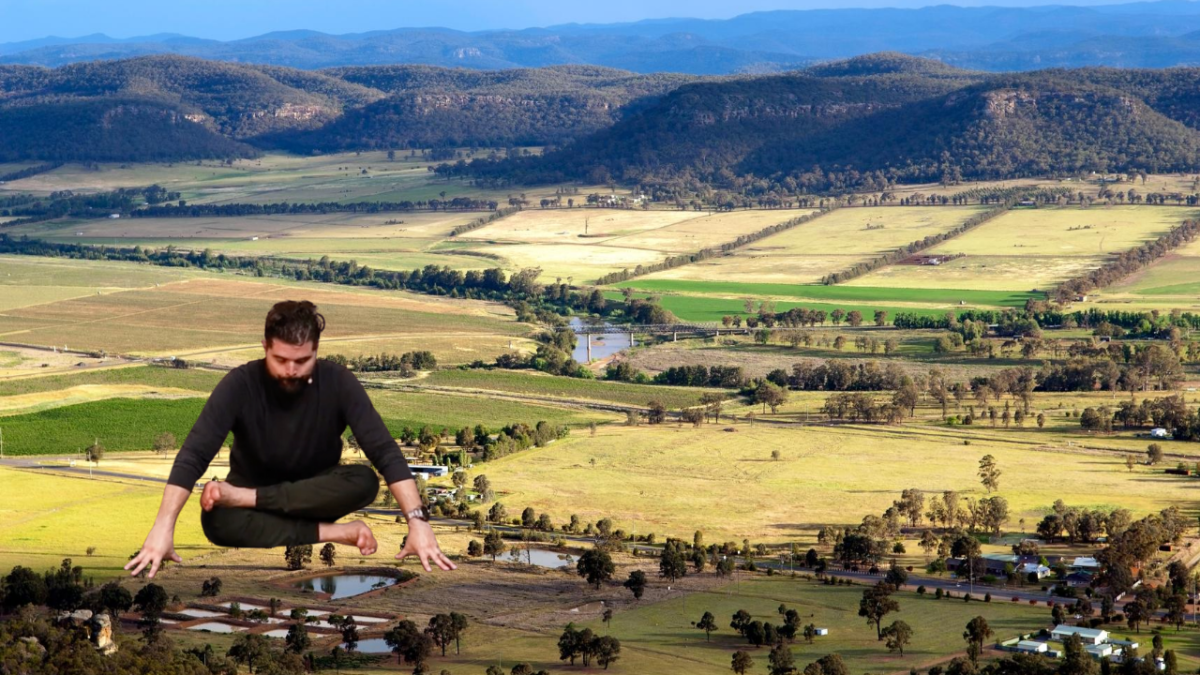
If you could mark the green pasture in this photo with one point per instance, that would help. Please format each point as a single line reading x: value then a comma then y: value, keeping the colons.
x: 940, y: 296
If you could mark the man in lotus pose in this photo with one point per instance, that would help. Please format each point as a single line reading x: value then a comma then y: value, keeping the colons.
x: 286, y: 485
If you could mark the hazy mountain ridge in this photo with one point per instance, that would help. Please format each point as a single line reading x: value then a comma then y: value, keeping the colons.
x: 989, y: 38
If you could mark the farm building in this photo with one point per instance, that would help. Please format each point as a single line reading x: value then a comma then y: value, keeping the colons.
x: 1099, y: 651
x: 822, y: 631
x: 429, y: 470
x: 1085, y: 564
x: 1031, y: 647
x: 1033, y: 568
x: 1090, y: 636
x: 1159, y: 432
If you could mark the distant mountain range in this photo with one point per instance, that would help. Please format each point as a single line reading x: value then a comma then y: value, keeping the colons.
x: 866, y: 122
x: 1149, y: 35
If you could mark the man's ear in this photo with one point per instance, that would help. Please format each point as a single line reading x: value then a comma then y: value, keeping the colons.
x: 266, y: 345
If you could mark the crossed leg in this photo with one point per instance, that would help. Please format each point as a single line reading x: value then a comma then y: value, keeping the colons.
x: 291, y: 514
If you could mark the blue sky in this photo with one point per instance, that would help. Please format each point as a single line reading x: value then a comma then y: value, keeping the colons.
x: 231, y: 19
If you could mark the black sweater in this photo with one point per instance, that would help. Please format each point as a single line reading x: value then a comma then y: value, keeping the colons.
x: 281, y: 437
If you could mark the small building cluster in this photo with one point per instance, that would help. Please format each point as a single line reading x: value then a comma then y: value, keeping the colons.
x: 1097, y: 642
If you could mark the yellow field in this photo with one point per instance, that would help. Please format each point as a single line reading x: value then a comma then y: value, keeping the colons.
x: 203, y: 314
x: 616, y: 239
x: 1034, y: 248
x: 558, y: 226
x: 671, y: 481
x: 827, y: 244
x: 27, y: 403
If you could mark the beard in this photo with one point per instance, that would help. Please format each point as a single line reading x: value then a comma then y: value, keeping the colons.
x: 292, y: 385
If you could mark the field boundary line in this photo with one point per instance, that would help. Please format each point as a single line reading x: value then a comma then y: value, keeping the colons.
x: 672, y: 262
x: 905, y: 252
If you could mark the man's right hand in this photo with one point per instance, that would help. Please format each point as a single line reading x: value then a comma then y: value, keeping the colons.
x: 159, y: 546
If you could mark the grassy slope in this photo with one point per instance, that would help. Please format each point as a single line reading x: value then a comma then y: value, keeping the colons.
x: 826, y: 475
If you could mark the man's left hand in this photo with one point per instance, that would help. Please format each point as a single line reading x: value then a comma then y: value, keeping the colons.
x: 423, y: 544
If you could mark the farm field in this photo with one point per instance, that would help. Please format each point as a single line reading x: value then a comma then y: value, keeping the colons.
x: 712, y: 308
x: 130, y: 415
x: 1027, y: 249
x: 825, y: 475
x: 200, y: 315
x: 835, y: 241
x: 554, y: 241
x: 562, y: 387
x: 858, y: 294
x: 47, y: 518
x: 274, y: 178
x: 1171, y: 283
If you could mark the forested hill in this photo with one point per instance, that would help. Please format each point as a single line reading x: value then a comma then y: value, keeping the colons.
x: 874, y: 120
x: 865, y: 122
x: 429, y: 106
x: 171, y: 107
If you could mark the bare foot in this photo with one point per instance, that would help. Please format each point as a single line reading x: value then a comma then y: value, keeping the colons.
x: 355, y: 533
x: 219, y: 493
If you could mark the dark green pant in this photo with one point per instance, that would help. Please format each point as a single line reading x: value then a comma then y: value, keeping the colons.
x: 287, y: 514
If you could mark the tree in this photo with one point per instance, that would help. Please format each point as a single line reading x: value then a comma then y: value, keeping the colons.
x: 636, y: 583
x: 707, y: 623
x: 596, y: 566
x: 441, y: 631
x: 115, y: 600
x: 989, y: 473
x: 877, y: 603
x: 328, y: 555
x: 94, y: 452
x: 780, y: 660
x: 657, y: 412
x: 672, y: 564
x: 977, y: 632
x: 164, y: 442
x: 881, y: 317
x: 741, y: 662
x: 297, y: 556
x: 1076, y: 661
x: 348, y: 627
x: 297, y: 638
x: 252, y: 650
x: 1154, y: 453
x: 493, y: 544
x: 211, y: 588
x: 898, y: 635
x: 606, y: 650
x: 769, y: 394
x: 409, y: 644
x: 1137, y: 613
x: 1130, y: 462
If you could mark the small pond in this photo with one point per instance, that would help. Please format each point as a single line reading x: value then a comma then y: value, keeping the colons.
x: 279, y: 633
x: 216, y: 627
x: 372, y: 646
x: 340, y: 586
x: 245, y: 606
x: 539, y: 557
x: 199, y: 613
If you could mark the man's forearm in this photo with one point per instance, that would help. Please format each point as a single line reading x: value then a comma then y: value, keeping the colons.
x: 405, y: 492
x: 174, y: 497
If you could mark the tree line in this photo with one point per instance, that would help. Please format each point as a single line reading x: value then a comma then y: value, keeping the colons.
x: 1128, y: 262
x: 704, y: 254
x: 913, y: 248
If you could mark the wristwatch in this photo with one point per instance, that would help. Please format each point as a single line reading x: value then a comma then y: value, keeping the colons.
x: 419, y: 513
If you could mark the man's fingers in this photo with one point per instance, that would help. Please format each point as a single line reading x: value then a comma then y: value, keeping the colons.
x: 175, y: 557
x: 154, y: 569
x: 444, y: 562
x: 425, y: 556
x: 140, y: 562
